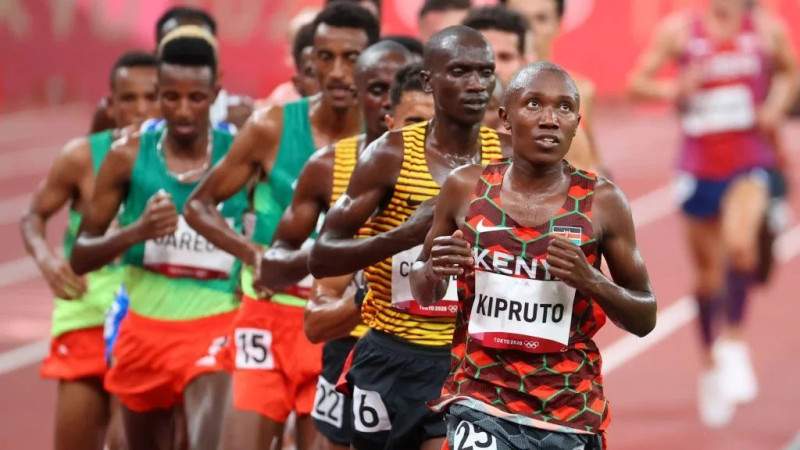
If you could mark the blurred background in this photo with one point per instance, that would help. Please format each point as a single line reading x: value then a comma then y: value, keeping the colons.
x: 54, y: 63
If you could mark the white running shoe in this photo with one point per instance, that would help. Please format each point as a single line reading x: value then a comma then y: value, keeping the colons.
x: 715, y: 409
x: 737, y: 377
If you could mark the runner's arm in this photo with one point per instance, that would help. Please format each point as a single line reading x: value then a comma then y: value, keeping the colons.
x: 445, y: 252
x: 628, y: 300
x: 285, y: 262
x: 643, y: 83
x: 331, y: 313
x: 252, y: 145
x: 60, y: 186
x: 785, y: 81
x: 94, y: 248
x: 336, y: 250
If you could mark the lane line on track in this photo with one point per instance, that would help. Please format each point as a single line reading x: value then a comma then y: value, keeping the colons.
x: 646, y: 209
x: 11, y: 209
x: 794, y: 444
x: 678, y: 314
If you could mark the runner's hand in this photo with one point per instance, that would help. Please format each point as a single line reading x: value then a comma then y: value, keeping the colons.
x: 160, y: 217
x: 566, y: 261
x: 259, y: 286
x: 450, y: 255
x: 61, y: 279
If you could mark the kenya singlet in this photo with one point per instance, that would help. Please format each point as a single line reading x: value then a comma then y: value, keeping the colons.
x: 523, y: 348
x: 719, y: 124
x: 389, y: 306
x: 89, y: 310
x: 181, y: 276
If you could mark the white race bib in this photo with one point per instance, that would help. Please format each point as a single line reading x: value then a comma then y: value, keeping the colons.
x: 328, y: 404
x: 254, y: 349
x: 187, y: 254
x: 521, y: 313
x: 718, y: 110
x: 401, y: 288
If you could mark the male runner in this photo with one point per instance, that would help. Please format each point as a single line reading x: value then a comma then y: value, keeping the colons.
x: 304, y: 82
x: 507, y: 32
x: 322, y: 181
x: 402, y: 361
x: 738, y: 79
x: 525, y: 237
x: 436, y: 15
x: 76, y: 356
x: 269, y: 380
x: 227, y: 108
x: 181, y: 287
x: 545, y: 19
x: 333, y: 311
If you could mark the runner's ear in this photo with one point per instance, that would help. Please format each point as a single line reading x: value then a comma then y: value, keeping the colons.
x: 503, y: 113
x: 425, y: 76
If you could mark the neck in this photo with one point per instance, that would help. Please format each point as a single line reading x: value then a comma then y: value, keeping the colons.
x: 372, y: 135
x: 196, y: 147
x: 531, y: 176
x: 727, y: 13
x: 453, y: 138
x: 334, y: 121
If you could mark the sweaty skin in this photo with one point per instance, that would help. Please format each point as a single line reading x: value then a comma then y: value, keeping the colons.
x: 544, y: 104
x: 333, y: 115
x: 460, y: 73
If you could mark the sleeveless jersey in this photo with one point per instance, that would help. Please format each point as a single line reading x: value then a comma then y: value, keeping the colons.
x: 345, y: 157
x: 89, y: 310
x: 719, y: 125
x: 523, y: 348
x: 389, y: 306
x: 273, y: 196
x: 181, y: 276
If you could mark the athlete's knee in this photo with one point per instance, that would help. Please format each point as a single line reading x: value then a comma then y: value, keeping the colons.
x: 709, y: 281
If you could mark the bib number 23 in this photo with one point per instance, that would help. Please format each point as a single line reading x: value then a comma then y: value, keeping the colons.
x: 467, y: 437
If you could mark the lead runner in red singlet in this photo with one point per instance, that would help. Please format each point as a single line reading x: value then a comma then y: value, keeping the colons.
x: 525, y: 236
x: 738, y: 79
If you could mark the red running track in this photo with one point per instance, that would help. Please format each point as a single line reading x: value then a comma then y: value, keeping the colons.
x: 649, y: 382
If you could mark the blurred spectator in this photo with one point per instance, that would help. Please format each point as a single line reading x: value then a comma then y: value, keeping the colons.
x: 437, y: 15
x: 506, y: 30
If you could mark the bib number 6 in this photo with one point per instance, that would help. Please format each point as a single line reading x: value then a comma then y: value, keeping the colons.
x: 467, y: 437
x: 253, y: 349
x: 370, y: 412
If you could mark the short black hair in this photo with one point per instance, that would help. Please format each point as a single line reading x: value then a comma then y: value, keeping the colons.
x: 560, y: 5
x: 349, y: 15
x: 405, y: 80
x: 443, y: 5
x: 134, y: 58
x: 189, y: 45
x: 185, y: 13
x: 411, y: 43
x: 499, y: 18
x: 303, y: 39
x: 375, y: 2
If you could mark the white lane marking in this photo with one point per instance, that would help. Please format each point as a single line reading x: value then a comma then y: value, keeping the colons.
x: 679, y: 314
x: 794, y: 444
x: 27, y: 162
x: 23, y: 356
x: 654, y: 205
x: 17, y: 271
x: 11, y: 209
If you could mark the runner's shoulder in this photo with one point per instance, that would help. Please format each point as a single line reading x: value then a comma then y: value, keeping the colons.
x: 387, y: 149
x: 75, y: 156
x: 460, y: 183
x: 124, y: 150
x: 266, y: 122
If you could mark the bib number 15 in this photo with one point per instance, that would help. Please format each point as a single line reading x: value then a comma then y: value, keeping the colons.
x: 254, y: 349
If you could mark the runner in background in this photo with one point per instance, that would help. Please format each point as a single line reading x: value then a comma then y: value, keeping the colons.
x: 270, y: 381
x: 181, y: 288
x: 738, y: 79
x: 77, y: 353
x: 436, y: 15
x: 227, y: 108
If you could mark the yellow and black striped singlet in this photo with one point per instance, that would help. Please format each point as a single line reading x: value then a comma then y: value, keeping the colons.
x: 414, y: 185
x: 345, y: 155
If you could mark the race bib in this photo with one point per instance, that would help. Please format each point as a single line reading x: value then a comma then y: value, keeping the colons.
x: 521, y: 313
x: 328, y: 404
x: 718, y: 110
x: 187, y: 254
x: 254, y: 349
x: 468, y: 437
x: 401, y: 288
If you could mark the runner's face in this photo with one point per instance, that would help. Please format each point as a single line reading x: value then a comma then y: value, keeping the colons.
x: 186, y: 95
x: 543, y: 18
x: 462, y: 82
x: 373, y: 90
x: 335, y: 53
x: 543, y: 117
x: 305, y: 81
x: 133, y: 97
x: 507, y: 58
x: 729, y: 5
x: 414, y: 107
